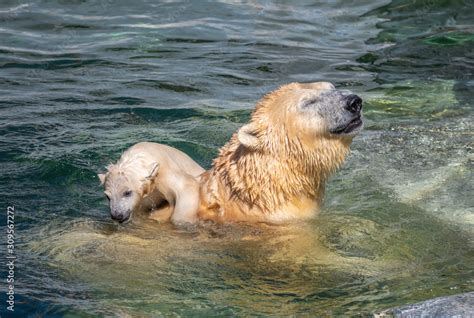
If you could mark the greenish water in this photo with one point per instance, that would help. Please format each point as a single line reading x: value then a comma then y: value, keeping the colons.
x: 80, y: 81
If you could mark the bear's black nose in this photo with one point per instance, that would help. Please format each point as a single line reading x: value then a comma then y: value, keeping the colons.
x: 354, y: 103
x: 119, y: 216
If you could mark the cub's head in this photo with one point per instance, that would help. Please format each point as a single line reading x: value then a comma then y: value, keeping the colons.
x: 126, y: 186
x: 307, y: 112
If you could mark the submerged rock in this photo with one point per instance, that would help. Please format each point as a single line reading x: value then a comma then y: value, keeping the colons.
x: 461, y: 305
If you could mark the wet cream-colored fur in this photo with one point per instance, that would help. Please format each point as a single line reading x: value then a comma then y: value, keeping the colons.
x: 274, y: 169
x: 155, y: 179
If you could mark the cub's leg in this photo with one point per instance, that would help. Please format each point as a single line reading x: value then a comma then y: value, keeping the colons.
x: 186, y: 199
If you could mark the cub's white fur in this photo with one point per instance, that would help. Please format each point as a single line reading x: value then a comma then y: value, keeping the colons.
x: 154, y: 178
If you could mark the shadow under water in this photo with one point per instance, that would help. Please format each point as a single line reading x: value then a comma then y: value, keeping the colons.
x: 336, y: 264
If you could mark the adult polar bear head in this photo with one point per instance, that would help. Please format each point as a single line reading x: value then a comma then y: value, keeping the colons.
x: 302, y: 112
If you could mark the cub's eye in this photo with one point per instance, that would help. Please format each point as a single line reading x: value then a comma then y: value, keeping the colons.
x: 107, y: 196
x: 127, y: 193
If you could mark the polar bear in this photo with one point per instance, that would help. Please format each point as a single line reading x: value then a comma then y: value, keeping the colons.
x: 154, y: 178
x: 274, y: 169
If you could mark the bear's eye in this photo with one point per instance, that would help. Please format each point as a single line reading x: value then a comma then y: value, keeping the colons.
x: 127, y: 193
x: 107, y: 196
x: 308, y: 102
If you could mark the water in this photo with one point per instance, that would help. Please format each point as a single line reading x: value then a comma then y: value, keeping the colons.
x: 83, y: 80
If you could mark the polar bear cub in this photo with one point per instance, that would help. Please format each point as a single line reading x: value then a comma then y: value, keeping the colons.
x: 154, y: 178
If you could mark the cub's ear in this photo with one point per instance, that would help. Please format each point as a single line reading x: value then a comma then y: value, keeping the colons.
x: 101, y: 178
x: 147, y: 185
x: 248, y: 137
x: 153, y: 171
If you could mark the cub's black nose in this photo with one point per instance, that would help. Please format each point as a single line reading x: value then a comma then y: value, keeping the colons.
x: 119, y: 217
x: 354, y: 103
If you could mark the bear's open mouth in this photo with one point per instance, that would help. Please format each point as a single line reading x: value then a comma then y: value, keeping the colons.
x: 349, y: 127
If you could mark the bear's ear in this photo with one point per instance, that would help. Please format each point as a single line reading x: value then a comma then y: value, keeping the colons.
x: 101, y: 178
x: 147, y: 185
x: 248, y: 137
x: 153, y: 171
